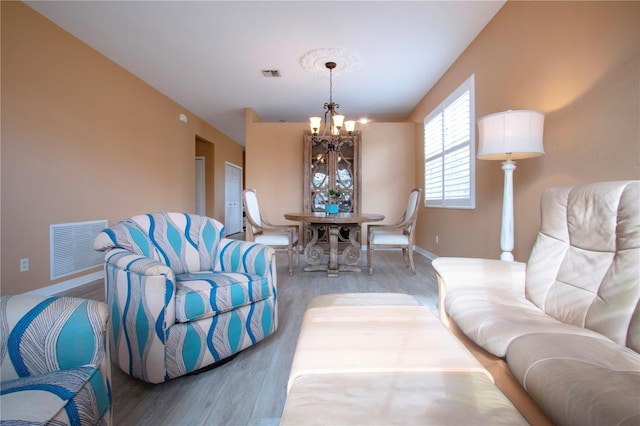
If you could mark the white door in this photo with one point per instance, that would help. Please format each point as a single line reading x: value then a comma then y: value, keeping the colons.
x: 200, y: 187
x: 232, y: 198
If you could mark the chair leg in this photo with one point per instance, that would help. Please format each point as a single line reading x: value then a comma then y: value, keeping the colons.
x: 413, y: 266
x: 290, y: 261
x: 405, y: 257
x: 370, y: 258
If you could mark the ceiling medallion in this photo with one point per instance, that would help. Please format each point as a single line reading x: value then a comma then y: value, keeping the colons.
x: 314, y: 61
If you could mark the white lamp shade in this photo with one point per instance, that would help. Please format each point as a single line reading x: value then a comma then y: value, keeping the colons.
x: 338, y: 120
x: 510, y: 135
x: 349, y: 125
x: 314, y: 123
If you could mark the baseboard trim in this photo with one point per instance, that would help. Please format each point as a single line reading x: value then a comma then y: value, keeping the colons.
x: 425, y: 253
x: 67, y: 285
x: 417, y: 249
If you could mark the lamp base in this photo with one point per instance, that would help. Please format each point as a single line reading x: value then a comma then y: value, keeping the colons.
x: 507, y: 256
x: 506, y: 231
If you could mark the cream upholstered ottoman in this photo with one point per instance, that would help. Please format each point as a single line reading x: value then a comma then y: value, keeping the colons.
x: 383, y: 358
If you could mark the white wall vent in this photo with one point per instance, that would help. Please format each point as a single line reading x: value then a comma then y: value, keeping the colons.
x: 271, y: 73
x: 71, y: 246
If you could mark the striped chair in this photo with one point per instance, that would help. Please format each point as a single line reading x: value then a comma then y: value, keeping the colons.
x: 181, y: 296
x: 54, y: 361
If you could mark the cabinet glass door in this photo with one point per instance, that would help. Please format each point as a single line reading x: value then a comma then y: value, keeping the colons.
x: 326, y: 169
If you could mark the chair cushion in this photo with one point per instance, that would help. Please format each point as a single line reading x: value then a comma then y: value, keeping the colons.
x: 73, y: 396
x: 206, y: 294
x: 275, y: 239
x: 385, y: 237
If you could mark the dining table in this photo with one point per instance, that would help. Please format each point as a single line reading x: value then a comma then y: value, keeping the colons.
x: 333, y: 223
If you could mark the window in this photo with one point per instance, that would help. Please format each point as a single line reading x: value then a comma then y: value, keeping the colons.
x: 449, y: 151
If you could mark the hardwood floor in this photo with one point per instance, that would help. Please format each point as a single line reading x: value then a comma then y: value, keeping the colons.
x: 251, y: 388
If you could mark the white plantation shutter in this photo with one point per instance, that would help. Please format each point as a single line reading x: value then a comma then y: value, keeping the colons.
x: 449, y: 149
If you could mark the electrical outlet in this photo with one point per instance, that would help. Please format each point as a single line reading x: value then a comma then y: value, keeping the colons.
x: 437, y: 239
x: 24, y: 264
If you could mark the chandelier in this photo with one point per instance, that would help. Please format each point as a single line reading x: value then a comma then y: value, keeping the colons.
x: 336, y: 138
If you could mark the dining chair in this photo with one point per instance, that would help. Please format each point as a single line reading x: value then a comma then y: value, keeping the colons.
x: 400, y: 234
x: 262, y: 231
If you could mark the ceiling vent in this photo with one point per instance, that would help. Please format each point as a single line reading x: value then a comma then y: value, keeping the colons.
x: 271, y: 73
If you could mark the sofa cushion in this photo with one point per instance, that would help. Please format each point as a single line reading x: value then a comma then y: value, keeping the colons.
x: 578, y: 380
x: 205, y: 294
x: 493, y: 318
x: 75, y: 396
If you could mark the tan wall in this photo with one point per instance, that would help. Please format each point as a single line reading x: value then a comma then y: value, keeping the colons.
x: 579, y: 63
x: 274, y: 167
x: 83, y: 139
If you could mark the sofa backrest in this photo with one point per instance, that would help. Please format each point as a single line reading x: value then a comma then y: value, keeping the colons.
x: 584, y: 268
x: 184, y: 242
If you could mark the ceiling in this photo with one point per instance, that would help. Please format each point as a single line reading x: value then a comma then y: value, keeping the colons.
x: 208, y: 56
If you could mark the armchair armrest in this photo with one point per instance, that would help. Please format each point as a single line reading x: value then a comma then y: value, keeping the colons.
x: 400, y: 225
x: 268, y: 227
x: 137, y: 264
x: 131, y: 277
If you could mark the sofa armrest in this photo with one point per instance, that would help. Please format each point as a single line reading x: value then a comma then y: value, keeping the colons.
x: 460, y: 272
x: 471, y: 272
x: 47, y: 334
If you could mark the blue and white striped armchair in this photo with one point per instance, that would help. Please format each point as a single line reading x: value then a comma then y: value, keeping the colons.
x: 54, y: 361
x: 181, y: 296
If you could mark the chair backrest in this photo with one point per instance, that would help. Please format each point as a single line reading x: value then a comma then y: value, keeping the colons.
x: 39, y: 335
x: 184, y: 242
x: 584, y: 268
x: 413, y: 206
x: 252, y: 210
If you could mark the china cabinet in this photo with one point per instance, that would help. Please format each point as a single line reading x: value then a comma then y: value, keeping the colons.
x: 332, y: 166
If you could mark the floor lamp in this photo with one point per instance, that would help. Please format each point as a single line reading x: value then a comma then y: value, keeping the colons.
x: 508, y: 136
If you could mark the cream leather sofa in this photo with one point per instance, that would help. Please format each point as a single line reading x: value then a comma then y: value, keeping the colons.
x: 563, y: 329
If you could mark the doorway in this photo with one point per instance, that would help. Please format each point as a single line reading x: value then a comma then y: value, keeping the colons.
x: 204, y: 202
x: 201, y: 186
x: 232, y: 198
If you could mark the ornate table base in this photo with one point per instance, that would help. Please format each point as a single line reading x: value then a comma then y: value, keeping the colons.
x: 332, y: 223
x: 314, y: 253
